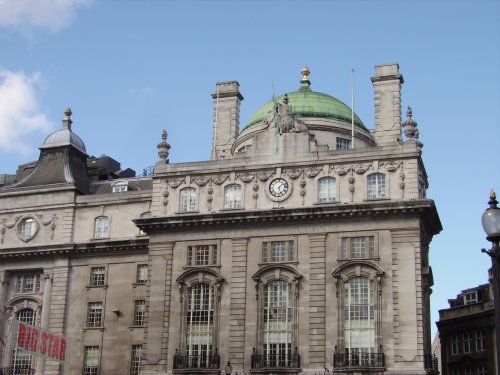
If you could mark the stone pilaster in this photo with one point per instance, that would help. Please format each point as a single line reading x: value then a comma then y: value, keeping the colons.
x: 44, y: 323
x: 238, y: 303
x: 227, y: 99
x: 57, y: 309
x: 4, y: 282
x: 387, y: 85
x: 158, y: 307
x: 317, y: 300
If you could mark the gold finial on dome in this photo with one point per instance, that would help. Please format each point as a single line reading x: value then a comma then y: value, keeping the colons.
x: 305, y: 73
x: 304, y: 82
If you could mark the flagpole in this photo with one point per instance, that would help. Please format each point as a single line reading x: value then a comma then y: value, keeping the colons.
x: 352, y: 109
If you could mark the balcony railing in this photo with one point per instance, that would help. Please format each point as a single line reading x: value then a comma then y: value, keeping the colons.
x: 203, y: 361
x: 349, y: 359
x: 17, y: 371
x: 431, y: 362
x: 276, y: 360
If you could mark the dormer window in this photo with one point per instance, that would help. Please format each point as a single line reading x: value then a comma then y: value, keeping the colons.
x: 470, y: 297
x: 120, y: 186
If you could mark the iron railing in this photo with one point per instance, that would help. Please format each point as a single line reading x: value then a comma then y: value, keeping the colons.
x: 15, y: 370
x: 349, y: 359
x: 203, y: 361
x: 275, y: 360
x: 431, y: 362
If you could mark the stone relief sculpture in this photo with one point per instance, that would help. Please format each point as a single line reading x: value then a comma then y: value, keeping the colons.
x: 281, y: 118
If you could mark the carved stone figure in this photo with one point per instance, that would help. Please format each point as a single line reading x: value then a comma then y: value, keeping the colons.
x: 281, y: 118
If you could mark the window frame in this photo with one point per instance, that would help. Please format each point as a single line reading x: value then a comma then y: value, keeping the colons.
x: 97, y: 280
x: 188, y: 203
x: 21, y: 287
x: 95, y: 315
x: 342, y: 142
x: 102, y: 231
x: 22, y: 227
x: 270, y: 248
x: 139, y: 313
x: 139, y: 269
x: 136, y: 357
x: 235, y: 202
x: 88, y: 366
x: 377, y: 189
x: 119, y: 186
x: 211, y: 256
x: 326, y: 197
x: 470, y: 298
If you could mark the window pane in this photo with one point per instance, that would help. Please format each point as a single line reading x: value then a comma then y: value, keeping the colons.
x: 376, y: 186
x: 232, y: 196
x: 97, y: 276
x: 101, y: 227
x: 136, y: 359
x: 343, y: 143
x: 188, y: 200
x: 277, y: 318
x: 278, y: 251
x: 90, y: 360
x: 142, y: 273
x: 139, y: 313
x: 326, y: 190
x: 94, y: 314
x: 200, y: 321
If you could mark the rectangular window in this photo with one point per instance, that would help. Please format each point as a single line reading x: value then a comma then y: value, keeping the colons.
x: 188, y: 200
x: 357, y: 247
x: 202, y: 255
x: 480, y: 340
x: 94, y: 314
x: 90, y: 360
x: 142, y: 274
x: 455, y: 344
x: 376, y: 186
x: 232, y: 196
x: 28, y: 283
x: 97, y: 276
x: 467, y: 342
x: 139, y: 312
x: 101, y: 229
x: 278, y: 251
x: 136, y: 359
x: 327, y: 190
x: 343, y: 143
x: 470, y: 297
x: 481, y: 370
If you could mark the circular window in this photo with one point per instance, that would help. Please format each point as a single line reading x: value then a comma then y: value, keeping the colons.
x: 27, y: 229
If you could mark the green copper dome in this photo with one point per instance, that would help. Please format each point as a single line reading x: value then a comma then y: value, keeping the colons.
x: 307, y: 103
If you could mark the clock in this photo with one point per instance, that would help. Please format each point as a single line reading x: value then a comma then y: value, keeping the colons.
x: 278, y: 187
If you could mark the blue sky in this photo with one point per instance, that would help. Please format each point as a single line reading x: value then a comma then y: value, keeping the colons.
x: 130, y: 68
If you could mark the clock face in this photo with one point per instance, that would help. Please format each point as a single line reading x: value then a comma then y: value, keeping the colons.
x: 278, y: 187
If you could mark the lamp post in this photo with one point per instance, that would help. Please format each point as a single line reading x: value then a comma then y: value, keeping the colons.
x: 491, y: 225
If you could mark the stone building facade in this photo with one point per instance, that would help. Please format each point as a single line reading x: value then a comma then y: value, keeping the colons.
x: 301, y: 245
x: 467, y: 333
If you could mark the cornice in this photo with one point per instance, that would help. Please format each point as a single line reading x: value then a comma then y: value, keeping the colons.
x: 76, y: 249
x: 424, y: 209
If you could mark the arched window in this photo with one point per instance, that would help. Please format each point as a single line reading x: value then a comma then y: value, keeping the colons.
x: 200, y: 323
x: 101, y: 228
x: 277, y: 288
x: 232, y: 196
x: 376, y: 186
x: 119, y: 186
x: 359, y: 319
x: 188, y: 200
x: 277, y: 322
x: 21, y: 360
x: 327, y: 190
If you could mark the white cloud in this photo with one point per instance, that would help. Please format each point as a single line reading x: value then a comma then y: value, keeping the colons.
x: 142, y: 92
x: 20, y: 114
x: 51, y: 14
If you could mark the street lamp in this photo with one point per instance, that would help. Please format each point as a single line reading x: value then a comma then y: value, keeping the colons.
x: 491, y: 225
x: 228, y: 369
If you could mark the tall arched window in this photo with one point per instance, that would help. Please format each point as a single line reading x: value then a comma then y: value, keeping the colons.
x: 327, y: 190
x: 376, y: 186
x: 21, y: 360
x: 188, y: 200
x: 359, y: 319
x: 277, y: 324
x: 200, y: 324
x: 232, y: 196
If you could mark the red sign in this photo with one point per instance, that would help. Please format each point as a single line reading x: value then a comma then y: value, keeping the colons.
x: 39, y: 341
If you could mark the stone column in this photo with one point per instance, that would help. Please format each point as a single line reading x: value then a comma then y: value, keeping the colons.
x: 227, y: 99
x: 44, y: 323
x: 387, y: 85
x: 158, y: 302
